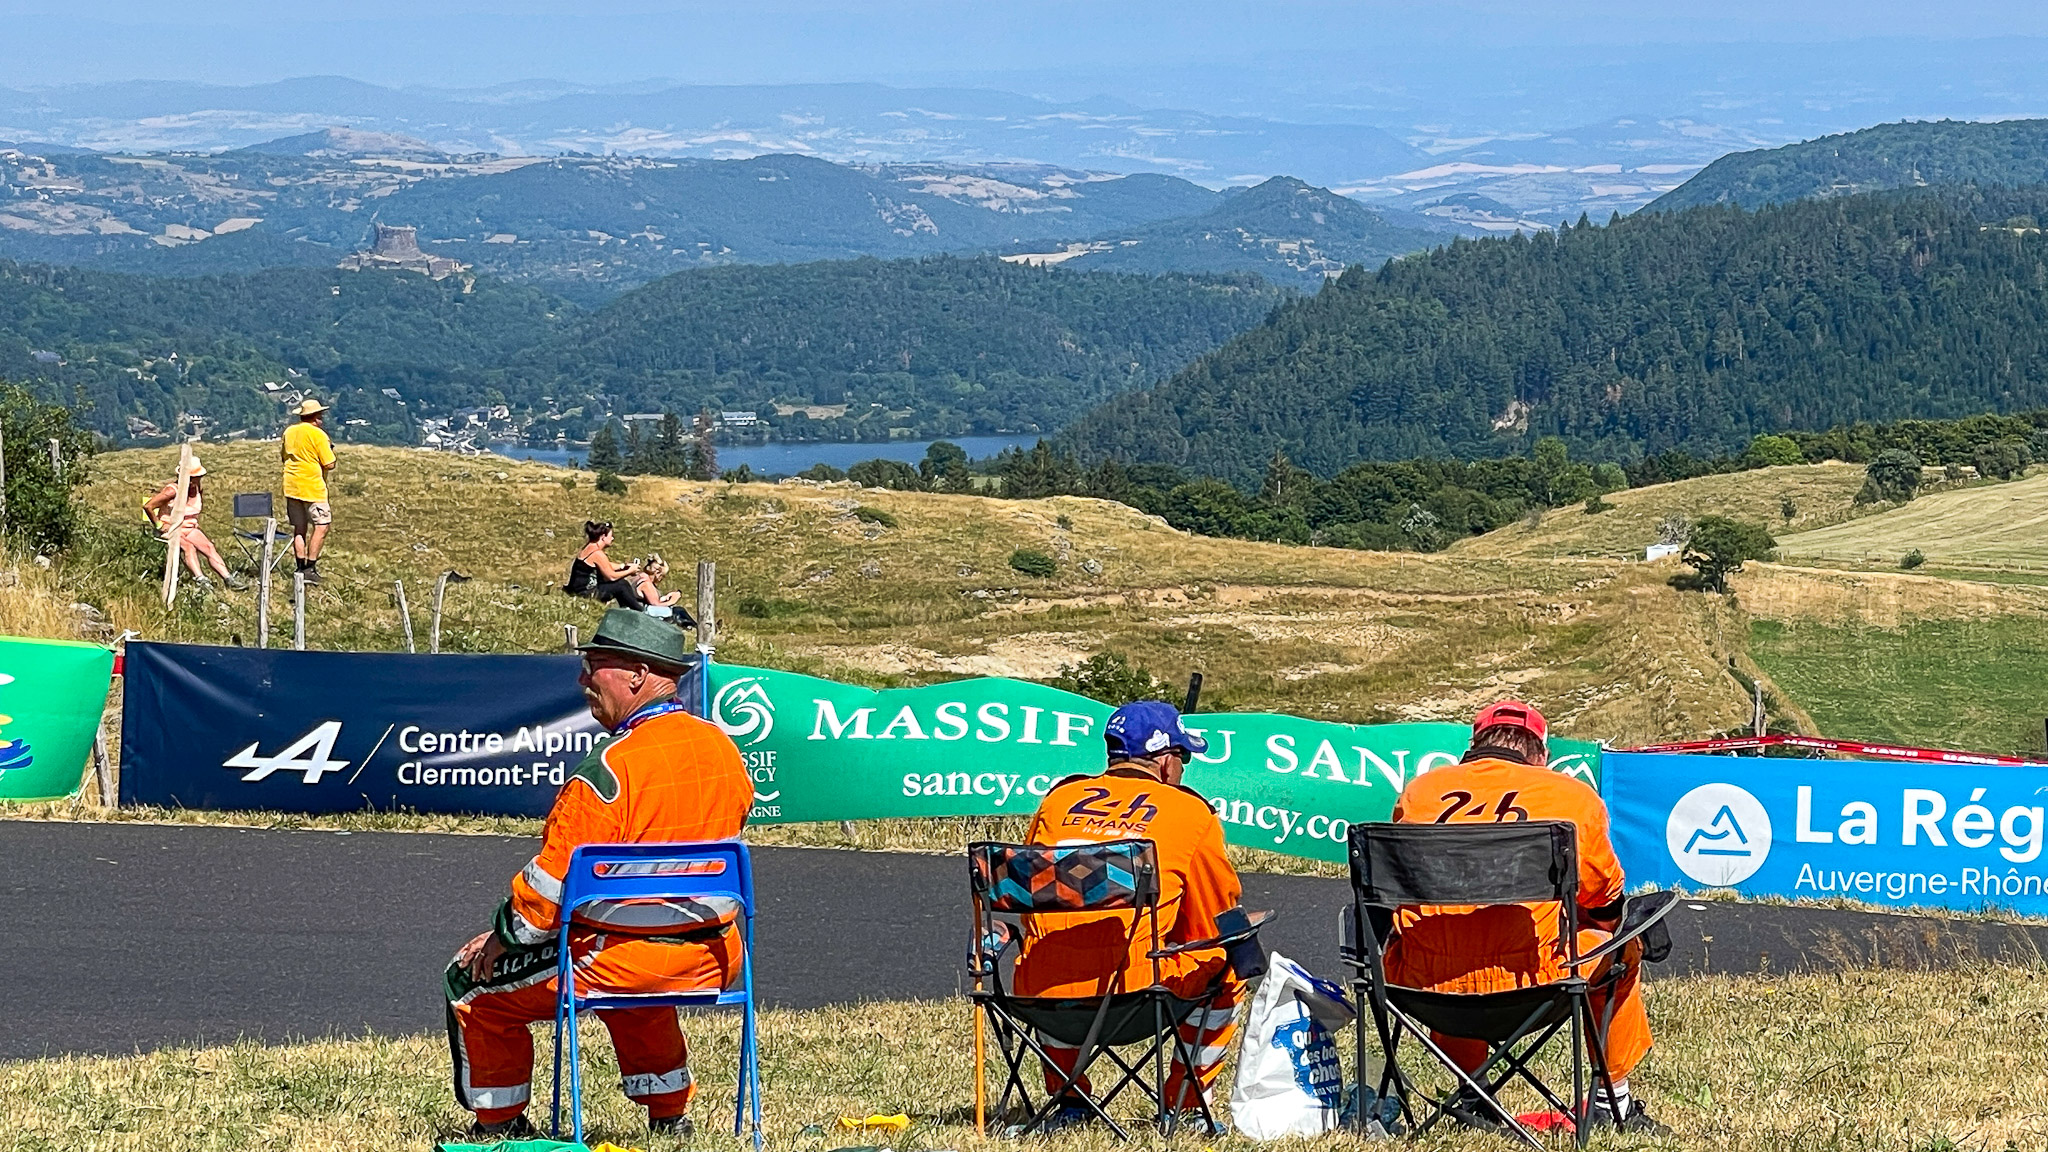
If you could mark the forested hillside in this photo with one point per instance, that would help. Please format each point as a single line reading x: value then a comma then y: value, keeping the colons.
x: 1908, y: 155
x: 954, y: 346
x: 1691, y: 330
x: 849, y: 350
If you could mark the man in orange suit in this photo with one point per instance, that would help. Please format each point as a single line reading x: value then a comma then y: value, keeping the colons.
x: 665, y: 776
x: 1506, y: 776
x: 1085, y: 954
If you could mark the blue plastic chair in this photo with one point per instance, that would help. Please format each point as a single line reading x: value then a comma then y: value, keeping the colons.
x: 718, y: 868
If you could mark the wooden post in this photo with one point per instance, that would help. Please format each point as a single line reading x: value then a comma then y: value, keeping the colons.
x: 57, y: 458
x: 103, y: 768
x: 1758, y: 720
x: 3, y: 491
x: 568, y: 638
x: 707, y: 606
x: 404, y: 615
x: 175, y: 532
x: 441, y: 593
x: 263, y: 583
x: 298, y: 611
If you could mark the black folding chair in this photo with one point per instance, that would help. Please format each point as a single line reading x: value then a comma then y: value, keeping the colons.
x: 1013, y: 880
x: 256, y: 506
x: 1393, y: 865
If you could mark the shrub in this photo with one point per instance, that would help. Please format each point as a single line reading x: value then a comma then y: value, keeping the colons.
x: 41, y: 515
x: 1770, y: 451
x: 875, y: 516
x: 2003, y: 460
x: 568, y: 483
x: 821, y: 472
x: 1065, y: 522
x: 1787, y: 509
x: 880, y: 473
x: 1595, y: 505
x: 1032, y: 562
x: 1912, y: 560
x: 1718, y: 546
x: 611, y: 484
x: 1112, y: 679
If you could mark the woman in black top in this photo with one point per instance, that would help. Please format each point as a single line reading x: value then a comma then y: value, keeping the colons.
x: 593, y: 574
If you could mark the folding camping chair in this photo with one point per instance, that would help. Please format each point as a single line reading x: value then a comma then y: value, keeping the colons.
x: 257, y: 506
x: 717, y: 872
x: 1010, y: 880
x: 1484, y: 864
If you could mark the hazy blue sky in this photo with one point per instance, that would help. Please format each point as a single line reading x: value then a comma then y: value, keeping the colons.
x: 1065, y: 42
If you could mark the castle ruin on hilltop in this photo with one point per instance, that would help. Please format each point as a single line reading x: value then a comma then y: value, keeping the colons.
x: 398, y: 249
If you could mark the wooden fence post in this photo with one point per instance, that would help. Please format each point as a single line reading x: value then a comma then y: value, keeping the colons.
x: 404, y: 614
x: 707, y: 605
x: 174, y: 533
x: 440, y: 593
x: 299, y: 611
x: 103, y: 768
x: 3, y: 491
x: 568, y: 638
x: 263, y: 583
x: 57, y: 457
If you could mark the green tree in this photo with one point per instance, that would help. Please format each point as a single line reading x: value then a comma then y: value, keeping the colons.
x: 604, y: 450
x: 944, y: 467
x: 1285, y: 486
x: 1767, y: 451
x: 1042, y: 471
x: 1718, y: 546
x: 879, y: 473
x: 1894, y: 476
x: 2002, y: 460
x: 41, y: 512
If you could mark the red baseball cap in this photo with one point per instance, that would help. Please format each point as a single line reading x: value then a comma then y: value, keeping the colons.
x: 1513, y: 714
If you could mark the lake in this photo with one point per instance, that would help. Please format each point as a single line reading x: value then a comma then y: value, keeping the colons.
x: 785, y: 458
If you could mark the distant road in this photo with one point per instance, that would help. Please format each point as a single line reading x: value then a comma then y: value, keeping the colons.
x: 121, y: 937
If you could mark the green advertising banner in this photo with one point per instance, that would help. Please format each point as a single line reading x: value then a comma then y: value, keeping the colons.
x: 821, y: 750
x: 51, y: 695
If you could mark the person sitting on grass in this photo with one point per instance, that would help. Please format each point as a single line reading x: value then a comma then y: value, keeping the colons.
x: 192, y: 542
x: 647, y: 582
x: 593, y: 574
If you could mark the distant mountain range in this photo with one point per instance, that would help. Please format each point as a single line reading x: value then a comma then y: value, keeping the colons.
x: 1616, y: 164
x: 1912, y: 154
x: 592, y: 226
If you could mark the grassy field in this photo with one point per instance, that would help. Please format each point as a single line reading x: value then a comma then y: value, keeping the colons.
x: 806, y: 584
x: 1863, y: 1059
x: 1983, y: 527
x: 1820, y: 494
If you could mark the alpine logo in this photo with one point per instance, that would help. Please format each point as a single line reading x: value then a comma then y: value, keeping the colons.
x: 1718, y: 834
x: 311, y: 755
x: 742, y: 709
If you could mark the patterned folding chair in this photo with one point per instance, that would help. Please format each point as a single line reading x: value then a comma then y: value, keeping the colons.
x: 1010, y: 880
x: 714, y: 875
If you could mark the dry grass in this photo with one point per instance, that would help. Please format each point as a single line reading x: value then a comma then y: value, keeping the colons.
x: 1877, y: 1060
x: 1985, y: 526
x: 1820, y: 494
x: 806, y: 585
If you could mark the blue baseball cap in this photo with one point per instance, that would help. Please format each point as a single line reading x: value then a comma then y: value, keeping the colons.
x: 1147, y: 728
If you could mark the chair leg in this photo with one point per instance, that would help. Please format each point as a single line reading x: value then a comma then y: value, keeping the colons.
x: 555, y: 1113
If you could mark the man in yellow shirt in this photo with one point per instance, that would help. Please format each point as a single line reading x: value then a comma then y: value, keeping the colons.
x: 308, y: 457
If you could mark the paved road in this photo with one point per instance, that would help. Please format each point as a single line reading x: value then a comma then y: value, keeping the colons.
x: 120, y: 937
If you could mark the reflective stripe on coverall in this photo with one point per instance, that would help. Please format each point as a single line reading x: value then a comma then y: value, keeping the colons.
x: 1082, y: 954
x: 667, y: 777
x: 1493, y: 949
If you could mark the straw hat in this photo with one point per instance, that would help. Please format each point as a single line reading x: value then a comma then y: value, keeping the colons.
x: 310, y: 407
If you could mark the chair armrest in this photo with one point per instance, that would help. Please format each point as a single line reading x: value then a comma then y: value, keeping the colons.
x: 1256, y: 921
x: 1639, y: 913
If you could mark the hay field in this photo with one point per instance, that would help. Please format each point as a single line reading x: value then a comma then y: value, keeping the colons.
x: 1862, y: 1060
x: 1970, y: 530
x: 806, y: 584
x: 1820, y: 494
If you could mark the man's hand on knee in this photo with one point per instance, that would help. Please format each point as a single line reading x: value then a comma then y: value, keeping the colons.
x: 480, y: 956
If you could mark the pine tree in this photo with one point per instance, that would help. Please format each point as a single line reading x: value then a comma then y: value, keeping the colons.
x: 604, y: 450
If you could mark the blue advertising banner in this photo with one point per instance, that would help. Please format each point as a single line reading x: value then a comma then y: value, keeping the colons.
x: 285, y: 731
x: 1903, y: 834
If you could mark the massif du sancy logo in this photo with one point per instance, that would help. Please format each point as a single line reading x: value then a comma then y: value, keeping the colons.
x: 743, y: 711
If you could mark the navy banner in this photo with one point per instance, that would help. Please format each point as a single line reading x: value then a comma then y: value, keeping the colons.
x: 1903, y: 834
x: 285, y: 731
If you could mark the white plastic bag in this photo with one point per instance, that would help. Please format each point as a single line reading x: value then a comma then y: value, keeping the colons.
x: 1290, y: 1081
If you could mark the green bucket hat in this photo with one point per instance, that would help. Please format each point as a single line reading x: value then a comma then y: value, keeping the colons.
x: 624, y: 632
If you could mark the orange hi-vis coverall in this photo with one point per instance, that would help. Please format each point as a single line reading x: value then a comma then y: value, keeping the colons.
x: 666, y: 777
x: 1493, y: 949
x: 1085, y: 954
